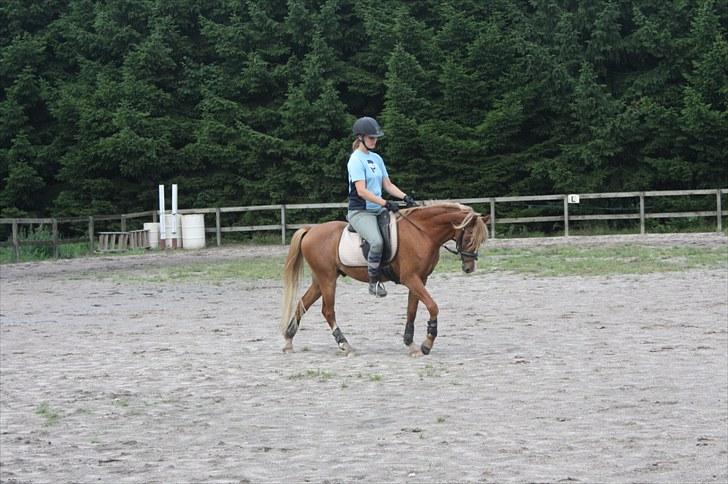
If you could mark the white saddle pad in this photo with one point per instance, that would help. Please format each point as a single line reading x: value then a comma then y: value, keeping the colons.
x: 350, y: 245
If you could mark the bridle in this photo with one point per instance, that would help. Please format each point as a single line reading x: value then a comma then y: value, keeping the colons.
x: 458, y: 242
x: 459, y: 248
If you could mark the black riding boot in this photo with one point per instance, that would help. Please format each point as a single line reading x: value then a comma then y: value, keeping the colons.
x: 376, y: 288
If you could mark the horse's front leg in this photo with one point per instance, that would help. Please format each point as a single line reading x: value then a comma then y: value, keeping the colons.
x: 418, y: 292
x: 409, y: 327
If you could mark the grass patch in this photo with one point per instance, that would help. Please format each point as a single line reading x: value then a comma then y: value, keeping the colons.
x: 317, y: 374
x: 430, y: 371
x: 593, y: 261
x: 33, y: 253
x: 553, y: 260
x: 50, y: 415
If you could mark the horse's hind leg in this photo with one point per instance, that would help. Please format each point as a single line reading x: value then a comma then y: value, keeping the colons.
x: 328, y: 292
x: 309, y: 297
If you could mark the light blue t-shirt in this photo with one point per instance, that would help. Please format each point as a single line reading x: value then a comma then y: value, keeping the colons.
x: 370, y: 168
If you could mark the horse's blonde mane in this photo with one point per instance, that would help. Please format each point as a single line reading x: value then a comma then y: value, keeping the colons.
x: 480, y: 229
x: 443, y: 204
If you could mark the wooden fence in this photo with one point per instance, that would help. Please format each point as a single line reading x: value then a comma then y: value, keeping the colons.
x: 565, y: 217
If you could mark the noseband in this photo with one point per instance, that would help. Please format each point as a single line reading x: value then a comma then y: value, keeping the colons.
x: 459, y: 248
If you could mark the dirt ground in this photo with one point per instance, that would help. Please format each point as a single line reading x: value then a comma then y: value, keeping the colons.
x: 570, y: 379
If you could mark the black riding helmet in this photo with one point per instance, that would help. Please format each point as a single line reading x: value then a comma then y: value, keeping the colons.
x: 367, y: 126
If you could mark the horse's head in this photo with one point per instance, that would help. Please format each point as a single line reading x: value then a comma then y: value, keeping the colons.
x: 469, y: 236
x: 452, y: 221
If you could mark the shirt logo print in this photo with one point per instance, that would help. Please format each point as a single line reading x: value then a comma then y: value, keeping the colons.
x: 372, y: 166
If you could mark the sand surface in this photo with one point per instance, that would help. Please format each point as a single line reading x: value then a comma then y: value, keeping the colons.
x: 566, y: 379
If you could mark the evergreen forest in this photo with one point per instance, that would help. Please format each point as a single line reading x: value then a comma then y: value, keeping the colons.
x: 244, y: 102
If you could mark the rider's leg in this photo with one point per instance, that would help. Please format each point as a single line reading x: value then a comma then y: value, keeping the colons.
x: 374, y: 261
x: 365, y: 224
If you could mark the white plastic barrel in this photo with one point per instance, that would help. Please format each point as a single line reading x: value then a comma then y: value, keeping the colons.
x: 193, y: 231
x: 168, y: 221
x: 153, y: 229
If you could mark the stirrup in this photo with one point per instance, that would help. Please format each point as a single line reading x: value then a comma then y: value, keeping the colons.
x: 377, y: 289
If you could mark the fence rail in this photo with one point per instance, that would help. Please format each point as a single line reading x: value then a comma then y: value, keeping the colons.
x: 55, y: 241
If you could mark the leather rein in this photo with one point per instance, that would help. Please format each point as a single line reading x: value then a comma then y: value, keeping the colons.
x: 458, y: 242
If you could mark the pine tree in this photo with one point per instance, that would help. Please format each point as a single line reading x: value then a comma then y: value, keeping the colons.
x: 314, y: 124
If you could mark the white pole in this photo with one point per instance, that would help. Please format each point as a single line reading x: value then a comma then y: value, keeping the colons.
x: 175, y: 223
x: 162, y: 225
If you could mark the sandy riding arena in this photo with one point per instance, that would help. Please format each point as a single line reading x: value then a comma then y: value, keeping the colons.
x: 106, y: 376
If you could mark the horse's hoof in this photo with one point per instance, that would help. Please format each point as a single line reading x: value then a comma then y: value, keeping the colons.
x: 414, y: 351
x: 288, y: 348
x: 346, y: 349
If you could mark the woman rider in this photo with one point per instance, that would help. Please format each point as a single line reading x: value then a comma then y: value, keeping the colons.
x: 367, y: 177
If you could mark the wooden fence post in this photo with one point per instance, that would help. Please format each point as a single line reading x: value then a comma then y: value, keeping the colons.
x: 218, y: 233
x: 642, y: 213
x: 566, y: 215
x: 283, y: 225
x: 55, y: 238
x: 492, y: 218
x: 91, y: 240
x: 16, y: 242
x: 123, y: 223
x: 719, y: 211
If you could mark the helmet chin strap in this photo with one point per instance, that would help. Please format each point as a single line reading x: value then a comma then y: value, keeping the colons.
x: 363, y: 140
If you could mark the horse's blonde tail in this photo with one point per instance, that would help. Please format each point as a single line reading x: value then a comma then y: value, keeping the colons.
x: 292, y: 273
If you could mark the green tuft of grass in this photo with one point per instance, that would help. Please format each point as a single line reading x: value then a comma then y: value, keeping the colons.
x: 317, y: 374
x: 430, y: 371
x: 50, y: 415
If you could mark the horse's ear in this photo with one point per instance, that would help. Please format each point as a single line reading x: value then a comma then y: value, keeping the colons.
x: 486, y: 218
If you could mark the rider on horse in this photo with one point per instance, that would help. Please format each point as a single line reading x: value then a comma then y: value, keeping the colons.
x: 367, y: 177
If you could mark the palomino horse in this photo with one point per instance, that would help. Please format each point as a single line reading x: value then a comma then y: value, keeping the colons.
x: 421, y: 232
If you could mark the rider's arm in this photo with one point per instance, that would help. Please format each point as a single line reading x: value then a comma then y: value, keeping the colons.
x: 392, y: 189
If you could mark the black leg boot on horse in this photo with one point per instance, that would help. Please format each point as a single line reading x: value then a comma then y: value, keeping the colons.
x: 376, y: 288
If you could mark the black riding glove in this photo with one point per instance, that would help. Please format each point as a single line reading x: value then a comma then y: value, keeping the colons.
x: 409, y: 200
x: 392, y: 206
